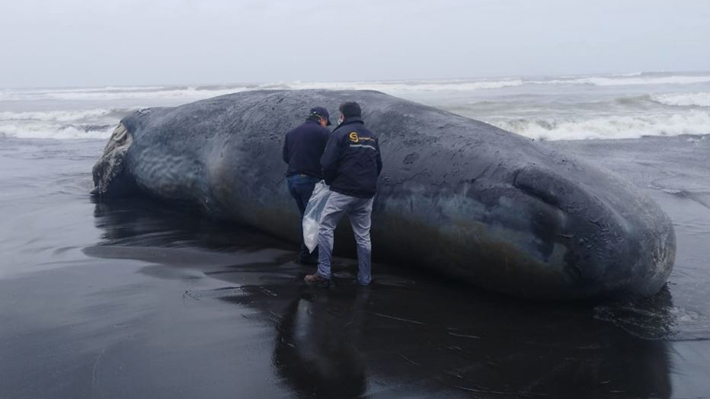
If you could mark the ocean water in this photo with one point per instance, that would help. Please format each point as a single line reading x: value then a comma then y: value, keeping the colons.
x: 135, y: 299
x: 544, y: 108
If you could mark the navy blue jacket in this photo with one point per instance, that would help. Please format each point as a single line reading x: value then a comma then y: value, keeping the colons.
x: 303, y: 148
x: 352, y: 162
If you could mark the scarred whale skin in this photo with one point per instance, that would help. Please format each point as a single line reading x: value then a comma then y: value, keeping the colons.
x: 456, y: 195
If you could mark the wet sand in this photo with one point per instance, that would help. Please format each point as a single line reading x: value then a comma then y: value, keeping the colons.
x: 133, y: 299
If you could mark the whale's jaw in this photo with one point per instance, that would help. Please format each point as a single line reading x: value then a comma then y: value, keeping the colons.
x: 110, y: 176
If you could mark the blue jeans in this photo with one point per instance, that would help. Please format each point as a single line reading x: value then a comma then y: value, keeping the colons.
x: 359, y: 211
x: 301, y: 187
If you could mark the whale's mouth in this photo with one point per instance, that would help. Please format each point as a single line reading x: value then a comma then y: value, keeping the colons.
x: 109, y: 174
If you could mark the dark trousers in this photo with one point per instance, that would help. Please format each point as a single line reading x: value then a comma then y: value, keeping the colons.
x: 301, y: 187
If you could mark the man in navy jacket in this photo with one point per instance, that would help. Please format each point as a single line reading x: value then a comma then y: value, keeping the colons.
x: 303, y: 148
x: 351, y: 165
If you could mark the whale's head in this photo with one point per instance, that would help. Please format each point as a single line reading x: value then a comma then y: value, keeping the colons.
x: 513, y: 215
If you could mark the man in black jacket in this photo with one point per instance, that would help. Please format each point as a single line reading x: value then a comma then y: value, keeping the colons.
x: 351, y: 165
x: 303, y: 148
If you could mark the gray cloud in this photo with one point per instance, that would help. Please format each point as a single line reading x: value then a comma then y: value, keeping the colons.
x: 126, y: 42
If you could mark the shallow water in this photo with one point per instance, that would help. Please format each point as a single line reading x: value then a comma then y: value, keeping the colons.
x: 134, y: 299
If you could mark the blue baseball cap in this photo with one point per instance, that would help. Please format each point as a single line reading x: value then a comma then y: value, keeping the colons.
x: 322, y: 112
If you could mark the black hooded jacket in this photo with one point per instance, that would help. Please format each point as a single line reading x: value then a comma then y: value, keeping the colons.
x: 352, y: 162
x: 303, y: 148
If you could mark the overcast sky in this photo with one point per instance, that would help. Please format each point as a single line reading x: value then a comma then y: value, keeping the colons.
x: 127, y: 42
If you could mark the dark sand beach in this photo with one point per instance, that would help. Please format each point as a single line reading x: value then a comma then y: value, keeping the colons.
x: 134, y: 299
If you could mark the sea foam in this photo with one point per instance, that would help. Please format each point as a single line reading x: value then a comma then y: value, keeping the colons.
x: 609, y: 126
x: 553, y: 108
x: 67, y: 124
x: 683, y: 99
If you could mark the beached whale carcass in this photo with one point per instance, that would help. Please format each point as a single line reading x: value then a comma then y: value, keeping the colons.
x: 456, y: 195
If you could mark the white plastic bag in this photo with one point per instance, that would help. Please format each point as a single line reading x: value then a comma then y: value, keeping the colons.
x: 312, y: 216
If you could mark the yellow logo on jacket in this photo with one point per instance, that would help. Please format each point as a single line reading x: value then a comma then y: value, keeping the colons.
x: 353, y: 137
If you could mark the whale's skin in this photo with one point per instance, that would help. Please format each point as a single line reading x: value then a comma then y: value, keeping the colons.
x: 456, y: 195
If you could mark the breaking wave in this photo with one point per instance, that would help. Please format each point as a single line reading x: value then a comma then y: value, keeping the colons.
x: 147, y: 93
x: 609, y: 127
x: 633, y: 80
x: 83, y: 124
x: 47, y: 131
x: 546, y: 108
x: 191, y: 93
x: 683, y: 99
x: 202, y: 92
x: 415, y: 86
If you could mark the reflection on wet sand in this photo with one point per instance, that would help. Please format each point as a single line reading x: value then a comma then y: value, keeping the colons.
x: 410, y: 334
x: 326, y: 343
x: 316, y: 347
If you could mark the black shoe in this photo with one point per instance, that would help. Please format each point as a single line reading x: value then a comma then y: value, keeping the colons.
x: 317, y: 281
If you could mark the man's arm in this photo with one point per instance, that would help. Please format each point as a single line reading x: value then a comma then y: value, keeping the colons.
x: 324, y: 138
x: 329, y: 160
x: 285, y: 150
x: 379, y: 158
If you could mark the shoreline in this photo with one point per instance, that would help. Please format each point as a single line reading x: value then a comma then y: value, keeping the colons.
x: 135, y: 300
